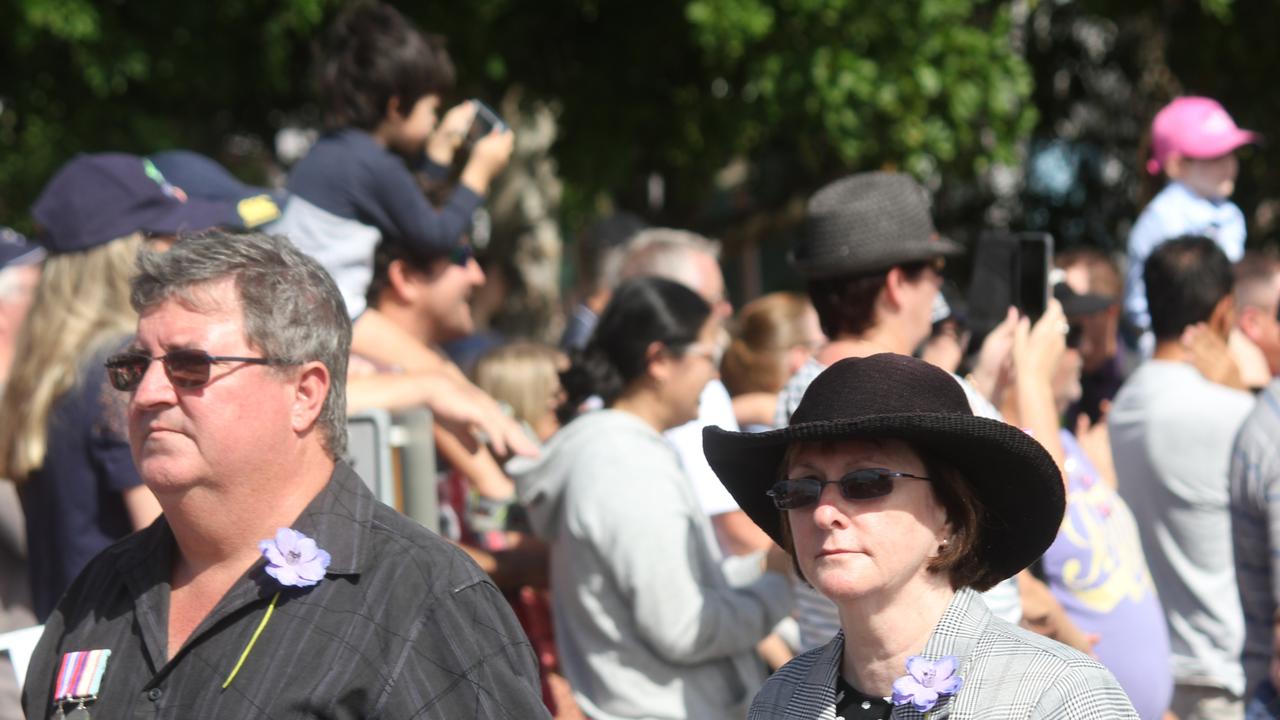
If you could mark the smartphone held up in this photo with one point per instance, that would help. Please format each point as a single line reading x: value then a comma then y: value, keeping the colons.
x: 1010, y: 269
x: 485, y: 122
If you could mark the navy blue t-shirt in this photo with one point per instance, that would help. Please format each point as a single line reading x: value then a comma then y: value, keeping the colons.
x: 349, y: 174
x: 73, y: 504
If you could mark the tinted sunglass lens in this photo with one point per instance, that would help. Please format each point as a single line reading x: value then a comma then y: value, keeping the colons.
x: 793, y: 494
x: 188, y: 369
x: 865, y: 485
x: 126, y: 371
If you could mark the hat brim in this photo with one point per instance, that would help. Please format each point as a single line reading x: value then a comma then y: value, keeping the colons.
x: 1013, y: 477
x: 1222, y: 145
x: 832, y: 265
x: 194, y: 215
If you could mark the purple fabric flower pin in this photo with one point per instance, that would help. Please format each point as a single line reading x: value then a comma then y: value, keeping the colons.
x: 927, y: 681
x: 294, y: 559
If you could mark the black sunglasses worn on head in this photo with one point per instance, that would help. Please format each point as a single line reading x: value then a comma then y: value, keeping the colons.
x: 185, y: 368
x: 1075, y: 333
x: 461, y: 254
x: 862, y: 484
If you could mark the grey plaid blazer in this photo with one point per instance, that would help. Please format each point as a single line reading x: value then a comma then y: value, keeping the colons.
x: 1008, y: 672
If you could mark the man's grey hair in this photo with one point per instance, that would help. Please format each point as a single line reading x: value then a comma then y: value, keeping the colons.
x: 292, y: 308
x: 664, y: 253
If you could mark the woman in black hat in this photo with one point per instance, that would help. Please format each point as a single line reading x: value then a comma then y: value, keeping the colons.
x: 898, y: 504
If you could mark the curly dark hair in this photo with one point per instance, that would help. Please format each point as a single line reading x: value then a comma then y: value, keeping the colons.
x: 374, y: 54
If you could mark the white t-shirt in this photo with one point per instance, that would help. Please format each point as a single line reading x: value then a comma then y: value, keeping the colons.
x: 714, y: 408
x: 1172, y: 432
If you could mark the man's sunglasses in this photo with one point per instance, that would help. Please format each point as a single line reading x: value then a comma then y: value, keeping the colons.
x: 863, y: 484
x: 185, y: 368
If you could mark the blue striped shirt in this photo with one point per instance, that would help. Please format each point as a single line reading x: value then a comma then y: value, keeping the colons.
x: 1255, y: 529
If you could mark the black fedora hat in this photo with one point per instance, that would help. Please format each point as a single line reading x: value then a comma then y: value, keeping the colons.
x: 867, y: 222
x: 896, y: 396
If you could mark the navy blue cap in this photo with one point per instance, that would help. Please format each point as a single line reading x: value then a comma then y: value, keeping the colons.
x: 204, y: 178
x: 16, y: 249
x: 94, y: 199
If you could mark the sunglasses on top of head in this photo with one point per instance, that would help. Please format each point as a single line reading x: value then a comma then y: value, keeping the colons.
x: 862, y: 484
x: 462, y: 254
x: 184, y: 368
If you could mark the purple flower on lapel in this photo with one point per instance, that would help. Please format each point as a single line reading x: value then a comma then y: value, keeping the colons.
x: 927, y: 681
x: 294, y: 559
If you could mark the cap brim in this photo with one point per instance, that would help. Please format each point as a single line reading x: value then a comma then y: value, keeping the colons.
x: 937, y: 247
x: 194, y: 215
x: 1222, y: 145
x: 1013, y: 477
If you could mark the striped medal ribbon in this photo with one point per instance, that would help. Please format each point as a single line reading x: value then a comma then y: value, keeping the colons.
x: 79, y: 678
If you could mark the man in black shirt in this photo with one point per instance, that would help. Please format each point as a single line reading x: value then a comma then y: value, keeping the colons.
x: 274, y: 585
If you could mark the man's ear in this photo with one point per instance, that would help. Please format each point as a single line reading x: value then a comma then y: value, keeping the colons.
x: 895, y: 284
x: 1174, y: 165
x: 1247, y: 321
x: 402, y: 280
x: 1223, y: 317
x: 310, y: 392
x: 393, y: 109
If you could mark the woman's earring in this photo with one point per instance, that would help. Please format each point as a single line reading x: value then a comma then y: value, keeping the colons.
x: 942, y: 546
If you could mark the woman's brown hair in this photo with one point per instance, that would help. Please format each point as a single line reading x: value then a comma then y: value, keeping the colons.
x: 765, y: 329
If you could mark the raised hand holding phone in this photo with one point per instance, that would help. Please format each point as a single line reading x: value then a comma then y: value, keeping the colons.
x: 451, y: 132
x: 492, y: 150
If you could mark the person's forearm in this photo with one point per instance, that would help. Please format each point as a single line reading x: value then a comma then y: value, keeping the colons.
x: 1039, y: 415
x: 477, y: 464
x: 755, y: 408
x: 374, y: 336
x: 387, y: 391
x: 142, y: 506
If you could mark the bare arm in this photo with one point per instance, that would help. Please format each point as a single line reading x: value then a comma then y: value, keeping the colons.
x: 142, y: 506
x: 456, y: 403
x: 738, y: 535
x: 1043, y: 614
x: 376, y: 337
x: 755, y: 408
x: 477, y: 464
x: 1037, y: 350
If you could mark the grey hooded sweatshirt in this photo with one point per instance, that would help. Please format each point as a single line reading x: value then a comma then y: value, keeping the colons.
x: 647, y: 621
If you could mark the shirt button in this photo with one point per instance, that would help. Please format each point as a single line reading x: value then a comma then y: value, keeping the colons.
x: 154, y: 694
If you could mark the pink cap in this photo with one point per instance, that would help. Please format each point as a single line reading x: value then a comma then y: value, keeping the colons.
x: 1194, y: 127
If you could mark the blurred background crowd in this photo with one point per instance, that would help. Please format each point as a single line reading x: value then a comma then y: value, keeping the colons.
x: 618, y: 247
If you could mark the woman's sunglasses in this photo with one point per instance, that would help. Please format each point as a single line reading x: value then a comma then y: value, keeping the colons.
x: 185, y: 368
x: 863, y: 484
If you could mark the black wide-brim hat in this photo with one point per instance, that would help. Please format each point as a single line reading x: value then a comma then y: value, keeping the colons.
x: 891, y: 396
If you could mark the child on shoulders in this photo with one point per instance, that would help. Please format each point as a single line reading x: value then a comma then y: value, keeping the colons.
x: 1193, y: 143
x: 381, y: 84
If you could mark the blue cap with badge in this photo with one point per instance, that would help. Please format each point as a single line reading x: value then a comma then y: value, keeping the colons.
x: 96, y: 198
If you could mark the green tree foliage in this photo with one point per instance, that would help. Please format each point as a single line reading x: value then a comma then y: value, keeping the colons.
x: 82, y: 75
x: 810, y: 88
x: 1103, y: 69
x: 805, y: 89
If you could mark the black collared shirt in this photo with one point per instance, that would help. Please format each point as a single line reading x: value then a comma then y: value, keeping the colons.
x: 403, y: 625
